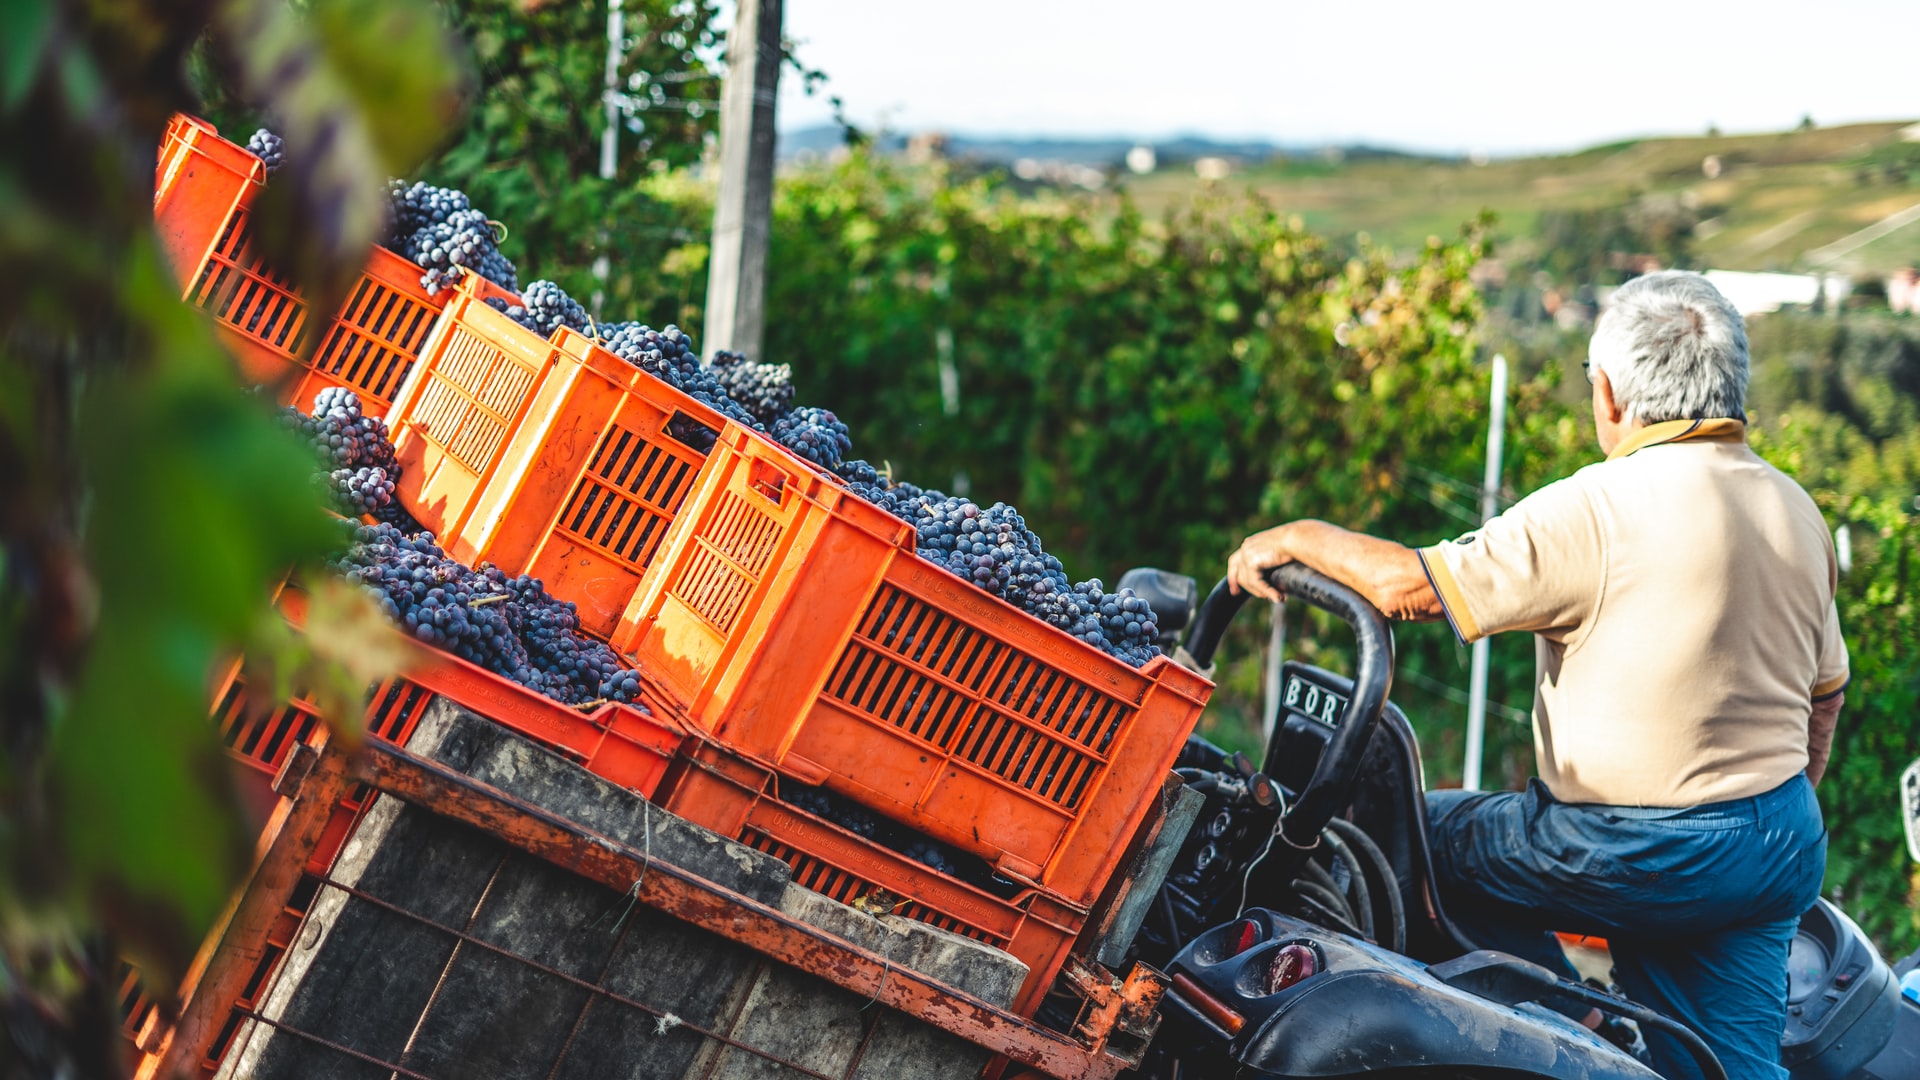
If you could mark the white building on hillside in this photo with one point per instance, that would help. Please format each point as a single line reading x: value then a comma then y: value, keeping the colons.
x: 1757, y: 293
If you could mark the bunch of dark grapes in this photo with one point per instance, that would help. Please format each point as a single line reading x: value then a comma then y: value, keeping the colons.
x: 860, y: 821
x: 345, y: 437
x: 437, y: 600
x: 814, y: 434
x: 994, y: 549
x: 765, y: 390
x: 269, y: 148
x: 439, y: 229
x: 359, y: 464
x: 464, y: 242
x: 665, y: 354
x: 668, y: 356
x: 544, y: 308
x: 366, y: 490
x: 574, y: 668
x: 412, y: 207
x: 509, y: 625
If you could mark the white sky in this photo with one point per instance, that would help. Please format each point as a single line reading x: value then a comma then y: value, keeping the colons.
x: 1503, y: 76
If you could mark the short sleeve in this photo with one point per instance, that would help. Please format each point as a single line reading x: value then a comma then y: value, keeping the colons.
x: 1537, y: 567
x: 1833, y: 671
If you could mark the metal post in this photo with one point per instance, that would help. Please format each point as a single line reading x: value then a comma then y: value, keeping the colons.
x: 610, y: 138
x: 1276, y: 654
x: 742, y: 216
x: 1489, y: 507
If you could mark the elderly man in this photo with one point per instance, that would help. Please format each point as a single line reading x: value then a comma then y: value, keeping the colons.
x: 1690, y: 669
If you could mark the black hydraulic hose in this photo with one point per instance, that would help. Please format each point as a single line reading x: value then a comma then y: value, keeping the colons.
x: 1645, y: 1017
x: 1383, y: 873
x: 1332, y: 784
x: 1359, y: 896
x: 1173, y: 922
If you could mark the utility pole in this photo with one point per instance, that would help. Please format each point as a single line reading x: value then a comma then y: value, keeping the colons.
x: 742, y: 217
x: 1489, y: 506
x: 1276, y: 657
x: 610, y: 96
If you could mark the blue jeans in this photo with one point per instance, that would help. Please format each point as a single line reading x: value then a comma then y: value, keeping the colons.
x: 1698, y: 904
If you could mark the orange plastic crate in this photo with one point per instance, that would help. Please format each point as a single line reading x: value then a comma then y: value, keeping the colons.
x: 203, y: 188
x: 734, y: 797
x: 200, y: 181
x: 616, y: 742
x: 793, y: 621
x: 588, y: 481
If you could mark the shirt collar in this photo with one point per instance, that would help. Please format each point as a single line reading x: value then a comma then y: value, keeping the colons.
x: 1718, y: 429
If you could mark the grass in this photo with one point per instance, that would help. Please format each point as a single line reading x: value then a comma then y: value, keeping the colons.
x: 1777, y: 198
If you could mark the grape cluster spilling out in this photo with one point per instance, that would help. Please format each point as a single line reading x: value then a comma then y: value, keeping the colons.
x: 364, y: 491
x: 668, y: 355
x: 360, y: 467
x: 766, y: 390
x: 344, y: 436
x: 814, y: 434
x: 269, y: 148
x: 439, y: 229
x: 994, y: 549
x: 509, y: 625
x: 544, y: 308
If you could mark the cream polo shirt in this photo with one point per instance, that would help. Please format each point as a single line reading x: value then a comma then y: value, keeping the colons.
x: 1682, y: 594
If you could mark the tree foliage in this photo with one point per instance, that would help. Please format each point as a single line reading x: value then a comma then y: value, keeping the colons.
x: 149, y: 504
x: 529, y: 154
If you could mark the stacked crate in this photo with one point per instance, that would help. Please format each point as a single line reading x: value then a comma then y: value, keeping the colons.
x: 784, y: 623
x: 549, y: 457
x: 204, y: 189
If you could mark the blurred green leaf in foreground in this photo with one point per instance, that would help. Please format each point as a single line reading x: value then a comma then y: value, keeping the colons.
x: 147, y: 505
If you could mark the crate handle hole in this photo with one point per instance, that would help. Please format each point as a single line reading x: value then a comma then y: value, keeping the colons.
x: 695, y: 435
x: 767, y: 480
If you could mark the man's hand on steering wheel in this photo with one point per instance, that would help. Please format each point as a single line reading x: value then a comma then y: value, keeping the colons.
x: 1390, y: 576
x: 1247, y: 567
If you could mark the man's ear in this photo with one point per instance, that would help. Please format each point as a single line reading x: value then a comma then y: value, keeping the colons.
x: 1603, y: 398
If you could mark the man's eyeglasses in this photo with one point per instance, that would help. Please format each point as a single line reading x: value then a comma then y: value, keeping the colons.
x: 1586, y: 366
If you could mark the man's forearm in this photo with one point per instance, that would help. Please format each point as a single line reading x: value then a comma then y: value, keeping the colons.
x: 1388, y: 574
x: 1820, y: 728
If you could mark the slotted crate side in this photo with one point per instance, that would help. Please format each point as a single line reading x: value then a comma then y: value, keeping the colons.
x: 711, y: 787
x: 472, y: 386
x: 994, y: 737
x: 762, y: 576
x: 781, y: 621
x: 589, y: 481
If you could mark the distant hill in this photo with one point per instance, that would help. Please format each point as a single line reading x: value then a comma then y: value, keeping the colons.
x: 1792, y: 200
x: 1097, y: 152
x: 1783, y: 201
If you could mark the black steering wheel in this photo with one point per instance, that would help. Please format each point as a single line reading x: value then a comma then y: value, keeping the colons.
x: 1337, y: 775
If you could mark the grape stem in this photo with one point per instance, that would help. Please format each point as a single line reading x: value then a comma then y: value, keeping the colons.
x: 591, y: 704
x: 490, y: 599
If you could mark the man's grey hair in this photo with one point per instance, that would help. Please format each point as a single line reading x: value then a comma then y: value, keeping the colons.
x: 1673, y: 348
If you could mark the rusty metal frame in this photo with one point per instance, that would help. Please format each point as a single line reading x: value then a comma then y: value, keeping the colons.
x: 314, y: 781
